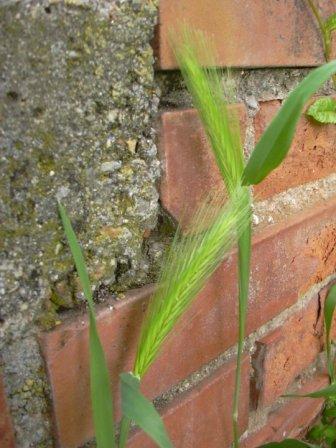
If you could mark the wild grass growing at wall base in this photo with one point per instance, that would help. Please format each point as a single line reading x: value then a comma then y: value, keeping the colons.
x: 196, y: 254
x: 205, y: 84
x: 134, y: 405
x: 222, y: 128
x: 192, y: 259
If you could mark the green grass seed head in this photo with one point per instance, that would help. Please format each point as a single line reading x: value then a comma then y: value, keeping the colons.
x: 192, y: 259
x: 210, y: 94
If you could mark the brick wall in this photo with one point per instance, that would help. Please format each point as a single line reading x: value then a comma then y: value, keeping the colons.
x: 293, y: 260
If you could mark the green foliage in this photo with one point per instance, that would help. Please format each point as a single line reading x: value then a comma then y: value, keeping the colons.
x: 191, y: 260
x: 325, y: 431
x: 101, y: 396
x: 137, y: 408
x: 275, y: 142
x: 323, y: 110
x: 326, y: 392
x: 326, y: 28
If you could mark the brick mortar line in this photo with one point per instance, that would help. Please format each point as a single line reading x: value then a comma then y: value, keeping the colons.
x: 294, y: 200
x: 252, y: 85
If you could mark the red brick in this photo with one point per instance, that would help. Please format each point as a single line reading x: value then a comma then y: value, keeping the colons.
x: 292, y: 420
x: 190, y: 169
x: 285, y: 352
x: 66, y: 352
x: 6, y: 429
x: 287, y: 259
x: 246, y: 33
x: 312, y: 155
x: 202, y: 417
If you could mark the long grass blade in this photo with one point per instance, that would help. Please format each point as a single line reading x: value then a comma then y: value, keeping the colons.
x: 326, y: 392
x: 136, y: 407
x: 289, y: 443
x: 191, y: 260
x: 101, y: 396
x: 275, y: 142
x: 329, y: 310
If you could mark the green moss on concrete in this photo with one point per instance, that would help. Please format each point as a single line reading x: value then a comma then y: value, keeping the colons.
x: 77, y: 102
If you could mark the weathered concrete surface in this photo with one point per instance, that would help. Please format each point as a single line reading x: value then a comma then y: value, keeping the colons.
x: 77, y: 101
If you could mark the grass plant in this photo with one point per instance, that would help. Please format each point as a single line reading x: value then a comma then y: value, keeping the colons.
x: 193, y: 257
x: 196, y: 253
x: 205, y: 84
x: 323, y: 110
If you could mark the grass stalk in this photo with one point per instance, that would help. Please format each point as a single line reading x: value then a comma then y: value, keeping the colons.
x: 244, y: 256
x: 319, y: 20
x: 223, y: 131
x: 326, y: 37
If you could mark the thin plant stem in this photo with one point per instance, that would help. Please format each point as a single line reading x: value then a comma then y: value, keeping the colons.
x: 124, y: 431
x: 244, y: 257
x: 322, y: 28
x: 193, y: 257
x: 326, y: 39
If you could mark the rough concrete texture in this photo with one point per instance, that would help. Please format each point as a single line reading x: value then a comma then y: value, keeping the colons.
x: 77, y: 102
x: 77, y: 98
x: 27, y: 388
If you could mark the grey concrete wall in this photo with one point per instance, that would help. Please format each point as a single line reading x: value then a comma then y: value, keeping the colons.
x: 77, y: 101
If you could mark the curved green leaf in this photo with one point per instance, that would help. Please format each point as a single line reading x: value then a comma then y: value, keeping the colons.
x: 323, y: 110
x: 330, y: 412
x: 101, y: 396
x: 275, y: 142
x: 327, y: 392
x: 289, y: 443
x: 136, y: 407
x: 329, y: 309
